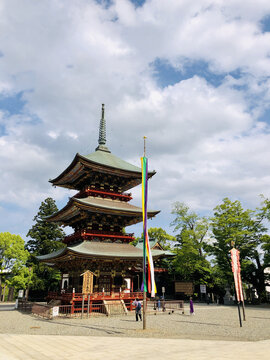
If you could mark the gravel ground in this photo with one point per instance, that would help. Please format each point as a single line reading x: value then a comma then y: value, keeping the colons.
x: 210, y: 322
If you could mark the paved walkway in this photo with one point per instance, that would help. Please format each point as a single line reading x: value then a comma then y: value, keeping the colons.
x: 44, y: 347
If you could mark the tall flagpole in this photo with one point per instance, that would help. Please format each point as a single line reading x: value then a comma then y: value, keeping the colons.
x: 144, y: 255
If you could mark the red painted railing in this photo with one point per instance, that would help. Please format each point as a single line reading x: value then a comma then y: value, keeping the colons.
x: 110, y: 295
x: 104, y: 194
x: 75, y: 299
x: 91, y: 234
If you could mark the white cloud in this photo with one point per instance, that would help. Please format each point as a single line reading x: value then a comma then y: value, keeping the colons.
x: 69, y: 57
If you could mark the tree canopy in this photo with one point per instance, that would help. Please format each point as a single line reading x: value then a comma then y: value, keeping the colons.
x: 46, y: 237
x: 190, y: 263
x: 232, y: 226
x: 13, y: 258
x: 12, y: 253
x: 161, y: 236
x: 203, y: 245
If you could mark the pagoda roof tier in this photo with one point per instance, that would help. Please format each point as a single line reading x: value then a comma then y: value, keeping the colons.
x: 101, y: 250
x: 78, y: 208
x: 82, y: 168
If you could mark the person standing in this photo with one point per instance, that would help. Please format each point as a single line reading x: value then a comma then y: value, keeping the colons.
x: 158, y: 304
x: 191, y: 307
x: 138, y: 309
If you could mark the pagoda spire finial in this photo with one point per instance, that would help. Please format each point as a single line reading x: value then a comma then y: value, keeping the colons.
x: 102, y: 133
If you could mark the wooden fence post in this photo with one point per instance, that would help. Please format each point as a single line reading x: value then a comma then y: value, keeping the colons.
x: 88, y: 304
x: 82, y: 305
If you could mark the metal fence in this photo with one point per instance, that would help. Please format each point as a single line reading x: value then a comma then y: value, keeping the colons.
x: 107, y: 308
x: 25, y: 306
x: 164, y: 305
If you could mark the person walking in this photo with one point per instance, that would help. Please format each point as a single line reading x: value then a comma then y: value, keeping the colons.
x: 191, y: 307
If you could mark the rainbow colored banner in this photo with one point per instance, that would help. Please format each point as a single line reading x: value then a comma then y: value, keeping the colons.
x: 146, y: 246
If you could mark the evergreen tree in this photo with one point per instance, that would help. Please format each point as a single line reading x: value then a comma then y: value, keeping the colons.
x: 46, y: 237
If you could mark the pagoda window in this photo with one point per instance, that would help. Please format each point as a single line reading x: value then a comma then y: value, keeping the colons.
x: 65, y: 285
x: 95, y: 226
x: 118, y: 280
x: 106, y: 227
x: 107, y: 187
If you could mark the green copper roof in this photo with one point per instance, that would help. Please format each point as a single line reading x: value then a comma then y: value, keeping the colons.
x: 108, y: 159
x: 113, y: 205
x: 103, y: 156
x: 98, y: 249
x: 92, y: 204
x: 152, y: 243
x: 52, y: 255
x: 101, y: 161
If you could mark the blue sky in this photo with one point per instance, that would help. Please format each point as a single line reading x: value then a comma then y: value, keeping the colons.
x: 12, y: 104
x: 166, y: 74
x: 194, y: 77
x: 265, y: 23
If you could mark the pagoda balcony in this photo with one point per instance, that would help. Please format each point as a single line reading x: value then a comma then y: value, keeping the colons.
x: 107, y: 295
x: 76, y: 300
x: 93, y: 234
x: 104, y: 194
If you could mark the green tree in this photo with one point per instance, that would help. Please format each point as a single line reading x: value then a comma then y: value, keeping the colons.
x: 266, y: 248
x: 21, y: 279
x: 13, y: 257
x: 245, y: 230
x: 265, y: 213
x: 191, y: 227
x: 44, y: 278
x: 190, y: 263
x: 161, y: 236
x: 46, y: 237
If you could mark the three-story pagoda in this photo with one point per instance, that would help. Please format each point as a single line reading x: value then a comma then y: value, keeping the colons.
x: 99, y: 214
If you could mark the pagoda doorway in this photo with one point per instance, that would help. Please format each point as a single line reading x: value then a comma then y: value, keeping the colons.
x: 105, y: 283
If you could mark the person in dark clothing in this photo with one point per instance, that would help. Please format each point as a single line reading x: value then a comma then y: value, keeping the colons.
x: 191, y: 307
x: 138, y: 309
x: 158, y: 304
